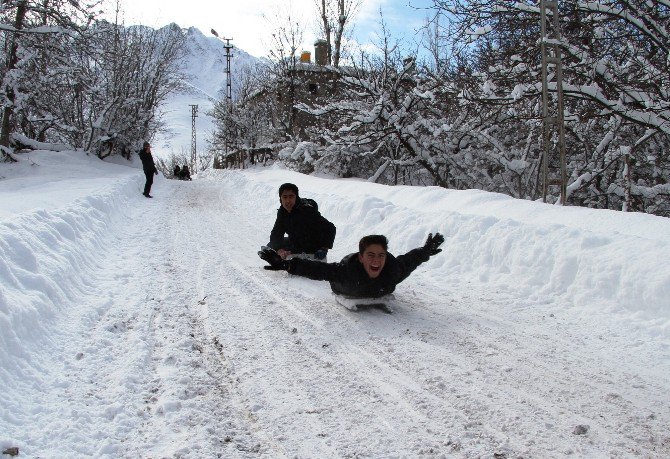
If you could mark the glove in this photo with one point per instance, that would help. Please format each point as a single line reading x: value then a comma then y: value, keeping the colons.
x: 433, y: 243
x: 320, y: 254
x: 155, y: 172
x: 275, y: 261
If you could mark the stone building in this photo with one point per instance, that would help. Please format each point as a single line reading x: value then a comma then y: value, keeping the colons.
x: 309, y: 82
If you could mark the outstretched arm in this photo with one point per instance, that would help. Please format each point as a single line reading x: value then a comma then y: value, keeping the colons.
x: 415, y: 257
x: 315, y: 270
x: 312, y: 269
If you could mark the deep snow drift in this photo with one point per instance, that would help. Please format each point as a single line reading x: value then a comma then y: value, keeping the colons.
x: 133, y: 327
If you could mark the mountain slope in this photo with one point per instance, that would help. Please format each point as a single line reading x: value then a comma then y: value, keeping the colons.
x: 205, y: 69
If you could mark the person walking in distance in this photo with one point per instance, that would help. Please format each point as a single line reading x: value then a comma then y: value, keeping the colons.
x: 185, y: 173
x: 149, y: 168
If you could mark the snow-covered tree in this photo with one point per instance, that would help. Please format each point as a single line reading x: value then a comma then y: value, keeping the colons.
x: 137, y: 69
x: 251, y: 120
x: 281, y: 74
x: 335, y: 20
x: 615, y: 80
x: 265, y: 110
x: 35, y: 37
x: 70, y: 79
x: 470, y: 116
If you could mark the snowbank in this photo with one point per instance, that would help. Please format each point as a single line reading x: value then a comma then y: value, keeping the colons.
x: 600, y: 261
x: 45, y: 254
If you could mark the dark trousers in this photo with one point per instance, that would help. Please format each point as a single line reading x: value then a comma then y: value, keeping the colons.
x: 150, y: 181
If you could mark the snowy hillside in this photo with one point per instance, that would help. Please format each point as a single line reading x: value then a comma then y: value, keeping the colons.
x: 136, y: 327
x: 205, y: 67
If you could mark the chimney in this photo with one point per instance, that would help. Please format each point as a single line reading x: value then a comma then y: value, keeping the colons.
x: 321, y: 52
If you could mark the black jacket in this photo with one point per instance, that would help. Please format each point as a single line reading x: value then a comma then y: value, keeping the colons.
x: 348, y: 277
x: 306, y: 228
x: 148, y: 162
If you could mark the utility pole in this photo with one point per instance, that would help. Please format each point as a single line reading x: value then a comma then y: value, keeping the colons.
x: 194, y: 114
x: 229, y: 88
x: 553, y: 122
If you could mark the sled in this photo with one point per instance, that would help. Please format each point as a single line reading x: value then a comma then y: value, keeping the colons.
x: 305, y: 256
x: 383, y: 303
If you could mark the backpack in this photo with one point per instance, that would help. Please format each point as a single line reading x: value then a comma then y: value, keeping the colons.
x: 307, y: 202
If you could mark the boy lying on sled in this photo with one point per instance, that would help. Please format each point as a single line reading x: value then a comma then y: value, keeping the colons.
x: 372, y: 273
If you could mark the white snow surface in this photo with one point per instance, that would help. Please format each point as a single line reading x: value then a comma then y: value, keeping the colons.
x: 134, y: 327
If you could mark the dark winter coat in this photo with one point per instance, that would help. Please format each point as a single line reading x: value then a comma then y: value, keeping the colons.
x: 306, y: 228
x: 348, y: 277
x: 148, y: 162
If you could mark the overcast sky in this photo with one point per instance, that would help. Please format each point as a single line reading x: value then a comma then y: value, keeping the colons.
x: 249, y: 22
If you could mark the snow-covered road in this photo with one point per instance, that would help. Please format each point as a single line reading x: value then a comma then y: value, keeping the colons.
x: 174, y: 342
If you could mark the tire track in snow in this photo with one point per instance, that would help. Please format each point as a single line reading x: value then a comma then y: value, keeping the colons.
x: 249, y: 298
x: 232, y: 297
x: 289, y: 308
x: 220, y: 406
x: 519, y: 362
